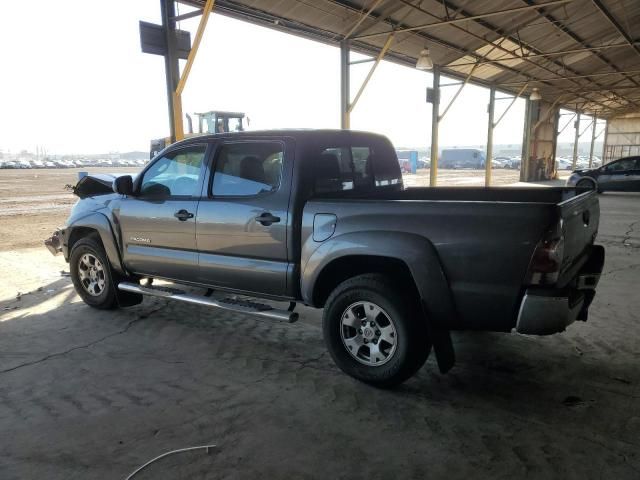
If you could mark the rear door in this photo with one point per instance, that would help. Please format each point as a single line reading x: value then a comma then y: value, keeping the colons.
x: 243, y: 219
x: 158, y: 223
x: 621, y: 175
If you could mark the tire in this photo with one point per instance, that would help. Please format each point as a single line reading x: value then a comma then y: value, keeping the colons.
x: 96, y: 288
x: 586, y: 184
x: 386, y: 366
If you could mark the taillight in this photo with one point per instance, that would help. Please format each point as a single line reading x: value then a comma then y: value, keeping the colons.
x: 547, y: 258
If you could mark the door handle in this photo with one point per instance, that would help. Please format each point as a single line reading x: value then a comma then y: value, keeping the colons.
x: 267, y: 219
x: 183, y: 215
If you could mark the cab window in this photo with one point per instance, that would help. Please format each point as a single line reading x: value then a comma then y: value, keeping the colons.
x: 175, y: 174
x: 247, y: 169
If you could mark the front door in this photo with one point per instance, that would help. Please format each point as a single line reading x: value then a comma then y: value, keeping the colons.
x: 243, y: 219
x: 158, y: 223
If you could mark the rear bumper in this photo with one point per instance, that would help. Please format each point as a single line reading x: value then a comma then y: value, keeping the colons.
x: 544, y: 311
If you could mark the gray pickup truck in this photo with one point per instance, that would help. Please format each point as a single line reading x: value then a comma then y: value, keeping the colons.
x: 322, y: 217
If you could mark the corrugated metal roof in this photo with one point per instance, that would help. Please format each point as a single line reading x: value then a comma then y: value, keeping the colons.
x: 584, y: 54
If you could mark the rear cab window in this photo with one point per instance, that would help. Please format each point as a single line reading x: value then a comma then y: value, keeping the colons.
x: 356, y: 167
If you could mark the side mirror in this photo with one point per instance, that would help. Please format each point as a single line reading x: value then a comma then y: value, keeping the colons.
x: 123, y: 185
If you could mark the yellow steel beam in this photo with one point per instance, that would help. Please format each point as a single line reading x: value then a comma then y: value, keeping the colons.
x: 380, y: 56
x: 177, y: 95
x: 510, y: 105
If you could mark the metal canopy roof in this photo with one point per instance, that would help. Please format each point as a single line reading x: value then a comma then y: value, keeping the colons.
x: 581, y: 54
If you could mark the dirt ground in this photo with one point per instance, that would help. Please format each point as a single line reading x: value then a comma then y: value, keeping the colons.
x: 88, y: 394
x: 33, y: 203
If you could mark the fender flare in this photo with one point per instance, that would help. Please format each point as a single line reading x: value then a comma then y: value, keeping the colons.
x: 415, y: 251
x: 101, y: 224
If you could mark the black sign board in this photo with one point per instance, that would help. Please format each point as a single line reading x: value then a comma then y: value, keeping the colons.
x: 432, y: 95
x: 152, y: 40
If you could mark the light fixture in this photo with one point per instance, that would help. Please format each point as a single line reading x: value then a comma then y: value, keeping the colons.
x: 535, y: 95
x: 424, y: 60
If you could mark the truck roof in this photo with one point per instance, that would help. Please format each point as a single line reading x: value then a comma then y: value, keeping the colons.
x: 308, y: 134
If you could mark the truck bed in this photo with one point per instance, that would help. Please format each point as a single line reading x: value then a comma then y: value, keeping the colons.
x: 484, y: 237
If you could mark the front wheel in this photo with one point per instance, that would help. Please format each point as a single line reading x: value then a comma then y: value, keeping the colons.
x: 91, y: 274
x: 375, y: 332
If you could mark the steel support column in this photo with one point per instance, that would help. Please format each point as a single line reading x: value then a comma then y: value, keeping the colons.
x: 526, y: 141
x: 171, y: 65
x: 435, y: 122
x: 575, y: 143
x: 606, y: 141
x: 345, y: 116
x: 593, y: 140
x: 491, y: 125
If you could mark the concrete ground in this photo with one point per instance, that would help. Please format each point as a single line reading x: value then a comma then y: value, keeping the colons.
x: 92, y: 395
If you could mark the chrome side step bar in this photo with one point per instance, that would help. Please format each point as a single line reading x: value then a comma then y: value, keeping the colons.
x: 234, y: 305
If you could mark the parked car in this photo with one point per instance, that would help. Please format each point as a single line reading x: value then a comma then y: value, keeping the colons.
x: 405, y: 165
x: 563, y: 164
x: 462, y: 158
x: 620, y: 175
x: 322, y: 218
x: 424, y: 162
x: 513, y: 163
x: 501, y: 162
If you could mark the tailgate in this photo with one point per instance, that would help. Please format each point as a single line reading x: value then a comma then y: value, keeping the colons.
x: 580, y: 218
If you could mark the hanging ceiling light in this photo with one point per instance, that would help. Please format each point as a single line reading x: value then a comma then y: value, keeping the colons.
x: 535, y: 95
x: 424, y: 60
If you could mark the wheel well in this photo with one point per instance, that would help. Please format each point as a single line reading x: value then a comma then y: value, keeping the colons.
x: 82, y: 232
x: 344, y: 268
x: 587, y: 179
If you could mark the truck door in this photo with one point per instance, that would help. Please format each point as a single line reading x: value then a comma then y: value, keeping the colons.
x: 243, y: 219
x: 158, y: 224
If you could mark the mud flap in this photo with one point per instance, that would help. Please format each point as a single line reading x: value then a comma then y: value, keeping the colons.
x: 124, y: 299
x: 127, y: 299
x: 441, y: 342
x: 443, y: 348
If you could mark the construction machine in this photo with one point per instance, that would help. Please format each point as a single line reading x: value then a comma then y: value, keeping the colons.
x: 214, y: 121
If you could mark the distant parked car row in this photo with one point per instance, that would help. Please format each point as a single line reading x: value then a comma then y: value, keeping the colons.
x: 563, y: 163
x: 24, y: 164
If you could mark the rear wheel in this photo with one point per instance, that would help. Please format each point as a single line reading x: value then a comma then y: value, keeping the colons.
x: 91, y: 274
x: 375, y: 332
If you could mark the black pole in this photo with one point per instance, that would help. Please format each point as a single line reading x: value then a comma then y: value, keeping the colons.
x: 171, y: 65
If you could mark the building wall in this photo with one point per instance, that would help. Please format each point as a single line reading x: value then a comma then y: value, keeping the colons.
x: 623, y: 137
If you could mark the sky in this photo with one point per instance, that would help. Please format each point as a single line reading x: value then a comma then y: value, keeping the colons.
x: 74, y: 80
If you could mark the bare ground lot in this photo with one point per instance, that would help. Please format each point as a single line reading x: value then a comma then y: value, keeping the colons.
x: 35, y: 202
x: 88, y: 394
